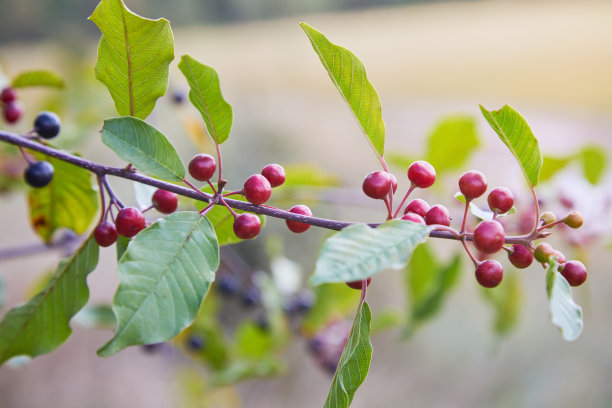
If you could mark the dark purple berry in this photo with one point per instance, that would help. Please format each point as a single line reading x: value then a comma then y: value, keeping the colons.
x: 358, y: 284
x: 574, y: 272
x: 129, y: 222
x: 251, y: 296
x: 195, y: 343
x: 489, y: 273
x: 257, y: 189
x: 500, y: 200
x: 472, y: 184
x: 247, y: 226
x: 417, y: 206
x: 520, y: 257
x: 296, y: 226
x: 165, y: 201
x: 202, y: 167
x: 421, y: 174
x: 437, y: 215
x: 377, y: 184
x: 105, y: 234
x: 275, y: 173
x: 47, y: 125
x: 227, y: 285
x: 489, y: 236
x: 39, y: 174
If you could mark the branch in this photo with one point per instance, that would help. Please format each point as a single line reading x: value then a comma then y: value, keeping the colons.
x: 101, y: 170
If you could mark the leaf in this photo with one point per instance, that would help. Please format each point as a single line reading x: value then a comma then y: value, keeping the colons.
x: 399, y: 159
x: 551, y: 166
x: 163, y: 277
x: 359, y: 251
x: 386, y: 319
x: 222, y: 220
x: 354, y: 363
x: 38, y: 78
x: 594, y: 162
x: 308, y: 175
x: 139, y: 143
x: 42, y: 324
x: 252, y: 342
x: 143, y: 193
x: 564, y: 312
x: 333, y: 301
x: 451, y: 143
x: 69, y: 201
x: 133, y: 57
x: 506, y: 300
x: 514, y: 131
x: 205, y: 95
x: 349, y: 76
x: 121, y: 245
x: 241, y: 370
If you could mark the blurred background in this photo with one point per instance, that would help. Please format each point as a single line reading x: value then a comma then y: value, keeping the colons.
x: 432, y: 63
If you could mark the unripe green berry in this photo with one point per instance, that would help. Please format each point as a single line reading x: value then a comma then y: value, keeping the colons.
x: 543, y: 252
x: 574, y: 220
x: 547, y: 217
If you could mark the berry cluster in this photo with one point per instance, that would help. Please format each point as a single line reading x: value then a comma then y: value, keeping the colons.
x: 46, y: 125
x: 12, y: 108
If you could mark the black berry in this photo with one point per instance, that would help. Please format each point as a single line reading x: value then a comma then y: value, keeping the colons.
x: 39, y: 174
x: 47, y: 125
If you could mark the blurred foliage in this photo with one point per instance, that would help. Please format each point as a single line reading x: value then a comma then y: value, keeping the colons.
x: 592, y: 159
x: 506, y: 300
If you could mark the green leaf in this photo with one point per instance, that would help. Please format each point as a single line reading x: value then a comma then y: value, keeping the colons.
x: 241, y: 370
x: 121, y: 245
x: 514, y: 131
x: 164, y: 275
x: 333, y: 301
x: 308, y: 175
x: 506, y: 299
x: 38, y: 78
x: 594, y: 162
x: 354, y: 363
x: 349, y: 76
x: 400, y: 159
x: 205, y: 95
x: 222, y: 220
x: 42, y: 324
x: 139, y: 143
x: 386, y: 319
x: 551, y: 166
x: 252, y: 342
x: 69, y: 201
x: 133, y: 57
x: 359, y: 251
x: 451, y: 143
x: 564, y: 312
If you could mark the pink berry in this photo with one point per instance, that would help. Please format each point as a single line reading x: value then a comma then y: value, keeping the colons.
x: 358, y: 284
x: 129, y: 222
x: 202, y: 167
x: 414, y: 218
x: 417, y: 206
x: 8, y: 95
x: 489, y: 273
x: 472, y: 184
x: 574, y: 272
x: 377, y: 184
x: 165, y: 201
x: 421, y: 174
x: 12, y: 111
x: 299, y: 227
x: 105, y: 234
x: 257, y: 189
x: 247, y: 226
x: 275, y: 173
x: 559, y: 255
x: 500, y: 200
x: 393, y: 182
x: 489, y: 236
x: 438, y: 214
x: 520, y: 257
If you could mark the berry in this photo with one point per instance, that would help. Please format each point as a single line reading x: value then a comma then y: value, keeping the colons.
x: 438, y: 214
x: 489, y: 236
x: 358, y: 284
x: 520, y: 257
x: 472, y: 184
x: 227, y: 285
x: 560, y: 257
x: 414, y: 218
x: 377, y: 184
x: 543, y: 252
x: 12, y: 111
x: 574, y: 220
x: 421, y: 174
x: 202, y: 167
x: 129, y: 222
x: 489, y: 273
x: 39, y: 174
x: 500, y: 200
x: 417, y: 206
x: 178, y: 97
x: 251, y: 296
x: 165, y: 201
x: 275, y: 173
x: 8, y: 95
x: 547, y: 217
x: 105, y: 234
x: 195, y: 343
x: 393, y: 182
x: 574, y: 272
x: 257, y: 189
x: 247, y: 226
x: 304, y: 301
x: 295, y: 226
x: 47, y: 125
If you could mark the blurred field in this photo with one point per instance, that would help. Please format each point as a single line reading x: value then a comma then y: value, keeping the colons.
x: 549, y: 59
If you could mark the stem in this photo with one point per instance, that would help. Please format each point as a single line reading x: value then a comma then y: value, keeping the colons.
x: 412, y: 187
x: 537, y: 210
x: 111, y: 193
x: 25, y: 156
x: 213, y: 187
x: 469, y: 253
x: 465, y: 212
x: 103, y: 212
x: 228, y: 207
x: 364, y: 289
x: 219, y: 160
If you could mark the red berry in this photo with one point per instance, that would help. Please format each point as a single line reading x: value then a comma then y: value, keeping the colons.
x: 257, y: 189
x: 295, y: 226
x: 202, y: 167
x: 12, y: 111
x: 393, y: 182
x: 417, y: 206
x: 377, y: 184
x: 438, y: 214
x: 543, y: 252
x: 520, y: 257
x: 421, y: 174
x: 500, y: 200
x: 8, y: 95
x: 489, y: 273
x: 489, y: 236
x: 574, y: 272
x: 105, y: 234
x: 358, y: 284
x: 129, y: 222
x: 275, y: 173
x: 414, y: 218
x: 472, y: 184
x: 165, y: 201
x: 560, y: 257
x: 247, y: 226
